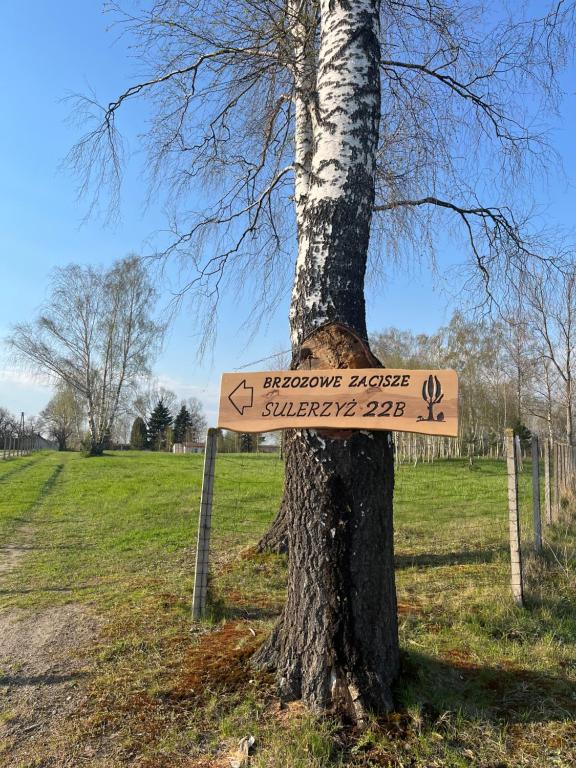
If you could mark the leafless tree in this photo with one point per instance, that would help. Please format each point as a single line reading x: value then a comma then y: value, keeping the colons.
x: 120, y: 434
x: 552, y: 300
x: 7, y: 423
x: 374, y: 117
x: 147, y: 396
x: 233, y: 94
x: 547, y: 395
x: 520, y: 356
x: 63, y: 416
x: 198, y: 421
x: 96, y: 335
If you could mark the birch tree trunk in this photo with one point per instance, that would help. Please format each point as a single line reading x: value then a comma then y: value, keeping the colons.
x: 569, y: 419
x: 567, y: 326
x: 339, y: 647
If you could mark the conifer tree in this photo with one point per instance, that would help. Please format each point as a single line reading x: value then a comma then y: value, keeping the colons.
x: 160, y: 420
x: 182, y: 424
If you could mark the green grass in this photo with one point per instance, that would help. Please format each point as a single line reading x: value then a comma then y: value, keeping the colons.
x: 110, y: 528
x: 484, y: 683
x: 24, y: 484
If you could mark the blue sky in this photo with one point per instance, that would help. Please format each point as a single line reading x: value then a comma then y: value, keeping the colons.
x: 49, y: 50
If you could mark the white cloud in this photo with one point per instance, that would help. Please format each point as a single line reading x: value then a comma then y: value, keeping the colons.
x: 22, y: 390
x: 208, y: 395
x: 24, y: 378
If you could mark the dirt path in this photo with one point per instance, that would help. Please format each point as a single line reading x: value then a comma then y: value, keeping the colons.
x: 42, y: 670
x: 11, y: 554
x: 41, y: 678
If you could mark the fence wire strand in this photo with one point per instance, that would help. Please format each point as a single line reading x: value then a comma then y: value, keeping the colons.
x: 450, y: 519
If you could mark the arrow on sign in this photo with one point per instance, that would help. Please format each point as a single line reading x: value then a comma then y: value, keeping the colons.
x: 242, y: 397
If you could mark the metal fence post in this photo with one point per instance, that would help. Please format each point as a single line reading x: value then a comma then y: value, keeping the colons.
x: 513, y: 520
x: 536, y: 495
x: 204, y: 524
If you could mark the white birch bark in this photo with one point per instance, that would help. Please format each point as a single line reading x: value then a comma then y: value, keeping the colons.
x: 304, y: 69
x: 335, y: 212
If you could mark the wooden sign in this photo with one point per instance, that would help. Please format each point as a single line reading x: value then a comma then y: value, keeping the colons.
x: 341, y: 398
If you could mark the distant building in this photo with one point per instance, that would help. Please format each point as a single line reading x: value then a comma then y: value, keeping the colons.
x: 268, y: 448
x: 188, y: 448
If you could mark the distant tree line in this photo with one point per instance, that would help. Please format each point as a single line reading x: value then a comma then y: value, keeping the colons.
x: 158, y: 429
x: 146, y: 422
x: 96, y: 337
x: 512, y: 372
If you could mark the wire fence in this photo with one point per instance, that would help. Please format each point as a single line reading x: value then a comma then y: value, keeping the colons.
x: 15, y: 443
x: 246, y: 493
x: 548, y: 522
x: 414, y: 448
x: 451, y: 532
x: 451, y: 520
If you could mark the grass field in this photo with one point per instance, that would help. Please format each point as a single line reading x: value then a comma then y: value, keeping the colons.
x: 484, y: 683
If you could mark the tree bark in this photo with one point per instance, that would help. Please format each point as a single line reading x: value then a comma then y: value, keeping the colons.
x: 569, y: 335
x: 336, y: 644
x: 569, y: 420
x: 338, y: 647
x: 275, y: 539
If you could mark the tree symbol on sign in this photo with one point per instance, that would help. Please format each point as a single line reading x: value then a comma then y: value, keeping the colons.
x: 432, y: 395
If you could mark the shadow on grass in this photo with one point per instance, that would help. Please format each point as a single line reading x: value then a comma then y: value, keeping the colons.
x: 464, y: 557
x: 235, y: 607
x: 47, y: 547
x: 50, y: 482
x: 252, y: 612
x: 41, y: 590
x: 500, y: 694
x: 80, y: 547
x: 105, y: 455
x: 19, y: 681
x: 44, y: 491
